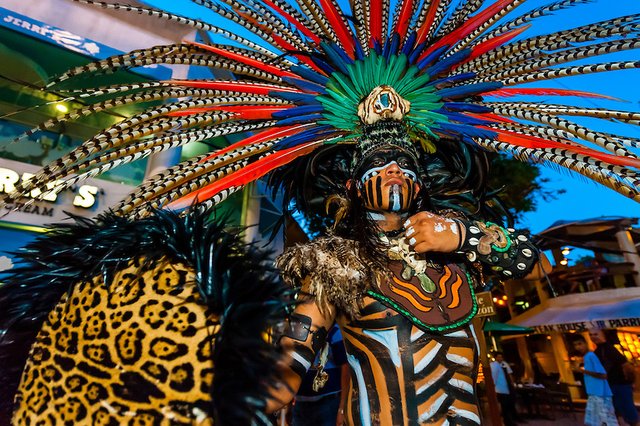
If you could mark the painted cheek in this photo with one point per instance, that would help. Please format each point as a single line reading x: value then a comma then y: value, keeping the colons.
x: 374, y: 198
x: 380, y: 198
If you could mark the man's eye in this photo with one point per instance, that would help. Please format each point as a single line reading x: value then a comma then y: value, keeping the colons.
x: 377, y: 162
x: 404, y: 162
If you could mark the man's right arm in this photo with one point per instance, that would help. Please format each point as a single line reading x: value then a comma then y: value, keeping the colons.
x: 303, y: 336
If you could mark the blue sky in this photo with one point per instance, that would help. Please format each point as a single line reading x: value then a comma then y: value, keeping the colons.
x: 583, y: 199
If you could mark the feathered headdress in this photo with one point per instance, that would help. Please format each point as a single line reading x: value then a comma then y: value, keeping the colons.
x: 320, y: 73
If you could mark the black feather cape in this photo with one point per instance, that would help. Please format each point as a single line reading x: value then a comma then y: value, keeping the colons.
x: 236, y: 281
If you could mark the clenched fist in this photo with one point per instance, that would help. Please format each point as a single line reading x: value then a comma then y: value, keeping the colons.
x: 428, y: 232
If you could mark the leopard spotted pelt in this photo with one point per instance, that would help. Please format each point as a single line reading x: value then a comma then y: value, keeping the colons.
x: 135, y: 350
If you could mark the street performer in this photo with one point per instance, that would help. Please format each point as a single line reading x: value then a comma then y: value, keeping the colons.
x: 390, y: 118
x: 399, y: 278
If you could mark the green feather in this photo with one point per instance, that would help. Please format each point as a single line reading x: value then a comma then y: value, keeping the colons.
x: 399, y: 67
x: 416, y: 82
x: 356, y: 76
x: 341, y: 78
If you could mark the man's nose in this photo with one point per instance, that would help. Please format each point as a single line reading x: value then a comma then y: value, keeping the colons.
x: 393, y: 169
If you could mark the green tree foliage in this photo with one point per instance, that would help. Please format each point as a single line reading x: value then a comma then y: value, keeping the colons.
x: 521, y: 185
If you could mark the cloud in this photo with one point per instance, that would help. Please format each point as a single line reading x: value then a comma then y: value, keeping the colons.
x: 5, y: 263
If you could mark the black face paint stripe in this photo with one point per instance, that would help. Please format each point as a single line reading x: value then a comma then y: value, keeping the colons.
x: 410, y: 194
x: 370, y: 191
x: 378, y: 180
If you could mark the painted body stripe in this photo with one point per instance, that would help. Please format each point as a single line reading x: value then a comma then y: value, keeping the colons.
x: 416, y: 334
x: 431, y: 379
x: 427, y: 358
x: 388, y: 339
x: 363, y: 397
x: 306, y: 364
x: 461, y: 384
x: 458, y: 359
x: 411, y: 373
x: 434, y: 406
x: 377, y: 182
x: 466, y: 414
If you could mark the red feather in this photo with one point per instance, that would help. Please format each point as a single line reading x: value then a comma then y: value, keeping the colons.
x: 375, y: 21
x: 304, y: 30
x: 404, y: 18
x: 269, y: 134
x: 526, y: 141
x: 234, y: 86
x: 545, y: 91
x: 243, y: 59
x: 247, y: 112
x: 468, y: 27
x: 428, y: 22
x: 491, y: 117
x: 247, y: 174
x: 338, y: 25
x: 492, y: 43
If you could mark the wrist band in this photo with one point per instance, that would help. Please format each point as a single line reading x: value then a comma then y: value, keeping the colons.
x: 459, y: 225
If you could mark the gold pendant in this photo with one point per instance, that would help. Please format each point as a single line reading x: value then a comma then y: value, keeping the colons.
x: 320, y: 380
x: 426, y: 283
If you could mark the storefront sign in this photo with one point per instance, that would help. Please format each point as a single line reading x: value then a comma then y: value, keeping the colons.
x: 485, y: 304
x: 588, y: 325
x: 86, y: 194
x: 87, y: 199
x: 68, y: 40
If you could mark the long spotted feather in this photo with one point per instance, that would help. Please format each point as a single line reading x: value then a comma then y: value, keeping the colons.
x: 300, y: 73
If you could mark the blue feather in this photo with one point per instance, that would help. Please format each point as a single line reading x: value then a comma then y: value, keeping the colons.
x: 308, y: 118
x: 297, y: 98
x: 359, y: 52
x: 395, y: 44
x: 447, y: 63
x: 324, y: 66
x: 408, y: 44
x: 415, y: 54
x: 468, y: 90
x: 463, y: 130
x: 304, y: 136
x: 337, y: 57
x: 385, y: 51
x: 309, y: 74
x: 462, y: 118
x: 298, y: 111
x: 307, y: 86
x: 465, y: 107
x: 377, y: 47
x: 432, y: 57
x: 454, y: 79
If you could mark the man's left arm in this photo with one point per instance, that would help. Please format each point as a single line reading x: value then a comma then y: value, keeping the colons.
x: 507, y: 252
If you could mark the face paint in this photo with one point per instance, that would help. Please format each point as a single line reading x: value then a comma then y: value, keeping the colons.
x: 388, y: 184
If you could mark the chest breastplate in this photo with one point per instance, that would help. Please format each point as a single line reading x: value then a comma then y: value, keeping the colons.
x: 433, y: 294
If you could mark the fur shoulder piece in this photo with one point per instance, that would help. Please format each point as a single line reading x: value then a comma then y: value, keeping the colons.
x: 332, y: 270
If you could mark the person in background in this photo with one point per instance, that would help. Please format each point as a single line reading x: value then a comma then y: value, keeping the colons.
x: 503, y: 380
x: 319, y: 400
x: 620, y: 375
x: 599, y: 410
